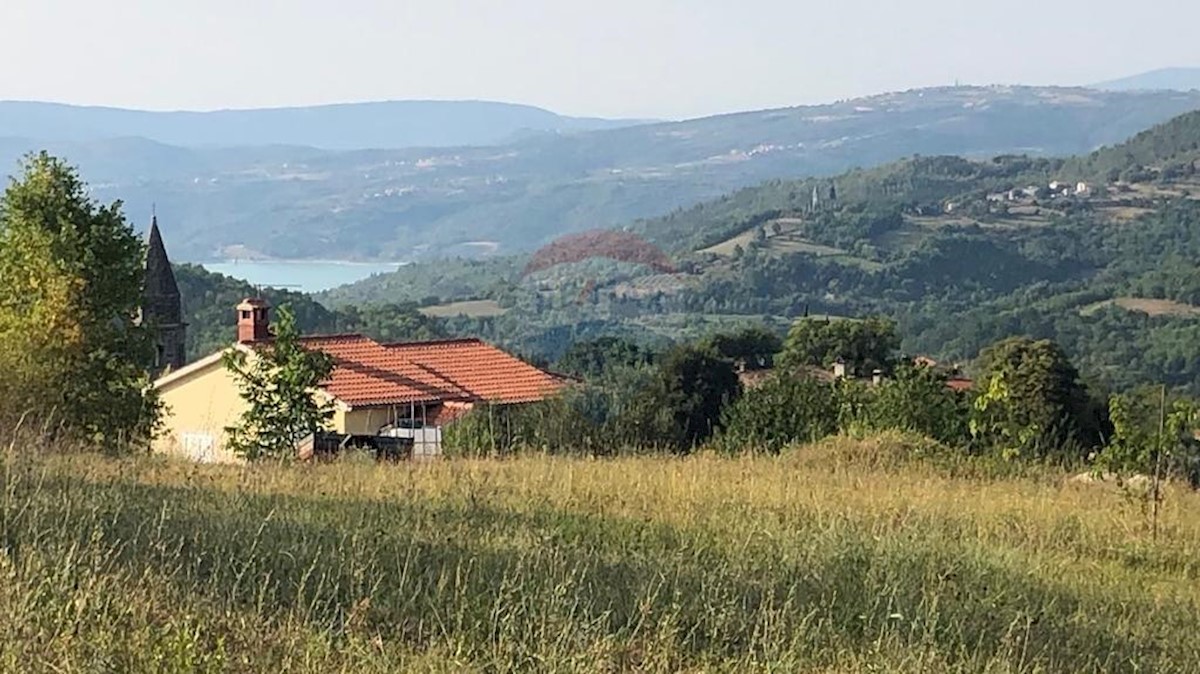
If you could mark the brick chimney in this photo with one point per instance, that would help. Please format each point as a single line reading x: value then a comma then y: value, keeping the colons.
x: 253, y: 324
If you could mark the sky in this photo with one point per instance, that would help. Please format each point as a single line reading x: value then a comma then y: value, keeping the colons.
x: 668, y: 59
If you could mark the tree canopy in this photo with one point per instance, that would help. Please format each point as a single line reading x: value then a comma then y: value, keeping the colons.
x: 863, y: 345
x: 684, y: 402
x: 1031, y: 400
x: 593, y: 358
x: 71, y: 274
x: 753, y: 347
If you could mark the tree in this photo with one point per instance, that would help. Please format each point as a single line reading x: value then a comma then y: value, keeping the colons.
x: 1031, y: 401
x: 682, y: 407
x: 1153, y: 430
x: 917, y: 399
x: 753, y: 347
x: 388, y: 322
x: 279, y: 384
x: 592, y: 358
x: 71, y: 274
x: 783, y: 410
x: 865, y: 345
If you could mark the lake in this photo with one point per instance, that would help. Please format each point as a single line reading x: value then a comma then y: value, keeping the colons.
x: 308, y: 276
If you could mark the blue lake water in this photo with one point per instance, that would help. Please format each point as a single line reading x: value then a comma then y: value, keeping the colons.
x: 304, y: 275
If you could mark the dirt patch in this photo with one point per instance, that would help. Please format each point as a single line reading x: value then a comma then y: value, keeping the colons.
x: 1124, y: 214
x: 1146, y: 306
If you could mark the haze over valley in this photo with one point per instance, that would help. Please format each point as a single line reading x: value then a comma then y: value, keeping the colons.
x: 495, y: 178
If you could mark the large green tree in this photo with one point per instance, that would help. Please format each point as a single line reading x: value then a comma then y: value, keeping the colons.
x: 593, y: 358
x: 753, y: 347
x: 917, y: 399
x: 682, y: 407
x: 865, y: 345
x: 783, y: 410
x: 279, y: 384
x: 71, y: 273
x: 1031, y: 402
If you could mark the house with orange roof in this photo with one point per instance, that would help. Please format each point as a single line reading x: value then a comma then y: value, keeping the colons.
x: 375, y: 388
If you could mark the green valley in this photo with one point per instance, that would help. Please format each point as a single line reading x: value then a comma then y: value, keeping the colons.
x: 960, y: 252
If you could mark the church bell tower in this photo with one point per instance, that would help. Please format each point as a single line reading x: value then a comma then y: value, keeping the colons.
x: 162, y: 306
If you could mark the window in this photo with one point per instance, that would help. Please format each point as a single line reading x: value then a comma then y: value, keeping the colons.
x: 198, y: 446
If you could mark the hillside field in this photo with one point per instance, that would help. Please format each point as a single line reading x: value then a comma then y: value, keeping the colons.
x: 1150, y: 307
x: 830, y: 558
x: 471, y: 308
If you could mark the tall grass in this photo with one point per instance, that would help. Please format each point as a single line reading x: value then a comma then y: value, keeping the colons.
x: 831, y: 558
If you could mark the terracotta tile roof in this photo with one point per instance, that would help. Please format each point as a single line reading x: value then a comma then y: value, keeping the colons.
x: 367, y: 373
x: 484, y: 371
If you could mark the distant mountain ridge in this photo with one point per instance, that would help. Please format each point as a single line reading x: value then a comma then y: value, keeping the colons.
x: 347, y: 126
x: 405, y: 204
x: 1163, y: 79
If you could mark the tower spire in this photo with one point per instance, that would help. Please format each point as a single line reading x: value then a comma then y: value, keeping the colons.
x: 162, y: 304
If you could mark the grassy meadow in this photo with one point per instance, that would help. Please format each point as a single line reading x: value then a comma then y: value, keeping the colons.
x: 830, y: 558
x: 468, y: 308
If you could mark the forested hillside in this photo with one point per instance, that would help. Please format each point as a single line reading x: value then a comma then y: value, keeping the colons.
x: 209, y: 300
x: 1097, y: 252
x: 1168, y: 149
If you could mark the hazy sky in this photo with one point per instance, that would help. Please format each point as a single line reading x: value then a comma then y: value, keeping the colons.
x: 645, y: 58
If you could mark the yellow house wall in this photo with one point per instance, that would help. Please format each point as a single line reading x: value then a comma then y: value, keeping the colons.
x: 201, y: 405
x: 198, y: 408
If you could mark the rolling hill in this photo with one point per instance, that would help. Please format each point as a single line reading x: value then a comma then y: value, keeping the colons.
x: 960, y: 252
x: 293, y: 202
x: 1176, y: 79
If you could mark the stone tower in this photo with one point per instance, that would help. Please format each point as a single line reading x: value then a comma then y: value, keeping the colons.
x: 162, y: 306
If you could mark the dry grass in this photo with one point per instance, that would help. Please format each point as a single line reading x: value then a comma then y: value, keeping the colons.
x: 843, y: 557
x: 786, y: 227
x: 1147, y: 306
x: 788, y: 242
x: 1124, y: 214
x: 1019, y: 218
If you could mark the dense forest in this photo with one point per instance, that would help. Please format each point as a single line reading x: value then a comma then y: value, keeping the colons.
x: 209, y: 300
